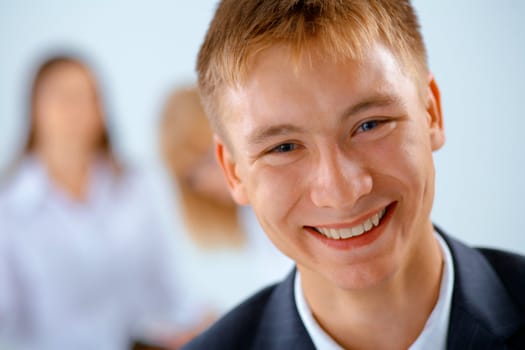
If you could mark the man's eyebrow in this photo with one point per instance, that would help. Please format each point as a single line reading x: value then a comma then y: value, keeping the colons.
x: 259, y: 135
x: 376, y: 101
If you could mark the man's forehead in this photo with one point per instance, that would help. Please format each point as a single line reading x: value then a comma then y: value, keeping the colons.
x: 311, y: 55
x: 378, y: 72
x: 265, y: 69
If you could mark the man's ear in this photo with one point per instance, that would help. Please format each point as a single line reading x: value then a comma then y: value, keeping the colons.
x: 433, y: 107
x: 229, y: 168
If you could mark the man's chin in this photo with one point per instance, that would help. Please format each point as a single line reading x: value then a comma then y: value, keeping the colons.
x: 363, y: 278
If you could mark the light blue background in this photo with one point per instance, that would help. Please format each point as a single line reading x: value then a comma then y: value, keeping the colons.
x: 144, y: 49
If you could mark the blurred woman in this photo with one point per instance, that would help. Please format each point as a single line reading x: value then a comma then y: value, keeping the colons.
x: 84, y: 263
x: 224, y: 253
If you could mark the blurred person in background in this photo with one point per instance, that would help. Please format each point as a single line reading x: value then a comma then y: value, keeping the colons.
x: 84, y: 263
x: 224, y: 255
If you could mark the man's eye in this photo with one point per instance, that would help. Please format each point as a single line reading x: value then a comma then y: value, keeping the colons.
x: 283, y: 148
x: 369, y: 125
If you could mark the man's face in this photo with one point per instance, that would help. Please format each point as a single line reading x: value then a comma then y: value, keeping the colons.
x: 336, y: 160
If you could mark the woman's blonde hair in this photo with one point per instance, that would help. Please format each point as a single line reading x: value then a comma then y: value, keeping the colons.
x: 185, y: 138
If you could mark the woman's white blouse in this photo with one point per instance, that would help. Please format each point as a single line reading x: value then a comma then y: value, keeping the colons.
x: 83, y: 275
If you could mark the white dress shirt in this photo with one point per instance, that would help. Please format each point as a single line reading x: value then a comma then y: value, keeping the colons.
x: 83, y: 274
x: 434, y: 334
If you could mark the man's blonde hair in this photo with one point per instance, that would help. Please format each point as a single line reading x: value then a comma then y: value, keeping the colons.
x: 335, y: 29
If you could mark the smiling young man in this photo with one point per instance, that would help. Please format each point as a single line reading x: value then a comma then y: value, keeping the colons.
x: 326, y: 117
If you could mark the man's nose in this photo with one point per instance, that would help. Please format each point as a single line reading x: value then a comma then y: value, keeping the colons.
x: 339, y: 181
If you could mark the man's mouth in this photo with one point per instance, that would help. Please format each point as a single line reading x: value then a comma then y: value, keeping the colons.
x: 354, y: 231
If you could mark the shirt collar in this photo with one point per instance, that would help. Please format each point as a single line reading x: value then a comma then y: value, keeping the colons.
x: 30, y: 186
x: 434, y: 334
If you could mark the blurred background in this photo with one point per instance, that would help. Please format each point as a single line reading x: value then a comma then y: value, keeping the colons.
x: 143, y: 54
x: 142, y: 50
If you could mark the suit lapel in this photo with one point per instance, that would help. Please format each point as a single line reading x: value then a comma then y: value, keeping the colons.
x: 281, y: 327
x: 483, y: 315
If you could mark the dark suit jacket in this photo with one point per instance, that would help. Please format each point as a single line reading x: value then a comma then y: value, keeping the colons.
x: 488, y: 309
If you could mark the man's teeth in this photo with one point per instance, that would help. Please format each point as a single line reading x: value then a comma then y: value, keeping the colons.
x: 357, y: 230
